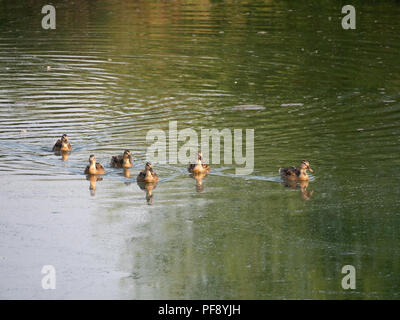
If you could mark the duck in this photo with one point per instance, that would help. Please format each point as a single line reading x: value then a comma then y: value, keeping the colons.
x: 94, y: 167
x: 125, y: 161
x: 148, y: 175
x: 199, y: 166
x: 62, y: 144
x: 300, y: 173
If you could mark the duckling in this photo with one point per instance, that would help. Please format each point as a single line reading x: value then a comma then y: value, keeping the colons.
x: 125, y: 161
x: 199, y: 167
x: 62, y: 144
x: 148, y: 175
x: 292, y: 173
x: 94, y: 167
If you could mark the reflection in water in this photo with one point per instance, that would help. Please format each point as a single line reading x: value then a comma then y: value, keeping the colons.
x: 192, y: 62
x: 199, y: 180
x: 127, y: 173
x: 64, y: 155
x: 148, y: 187
x: 302, y: 185
x: 93, y: 180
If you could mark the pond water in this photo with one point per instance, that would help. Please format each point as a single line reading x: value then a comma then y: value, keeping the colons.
x: 114, y: 70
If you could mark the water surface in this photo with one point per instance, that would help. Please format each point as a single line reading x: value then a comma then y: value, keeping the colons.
x: 112, y: 71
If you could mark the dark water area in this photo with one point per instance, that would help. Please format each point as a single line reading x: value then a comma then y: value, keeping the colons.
x: 113, y: 70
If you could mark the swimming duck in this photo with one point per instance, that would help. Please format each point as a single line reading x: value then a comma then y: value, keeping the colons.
x: 148, y: 175
x: 199, y: 166
x: 292, y: 173
x: 125, y: 161
x: 94, y: 167
x: 62, y: 144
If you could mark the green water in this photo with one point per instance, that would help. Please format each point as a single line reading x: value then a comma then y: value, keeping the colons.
x: 119, y: 69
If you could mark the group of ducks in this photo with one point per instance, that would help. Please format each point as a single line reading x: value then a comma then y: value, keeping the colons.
x: 125, y: 161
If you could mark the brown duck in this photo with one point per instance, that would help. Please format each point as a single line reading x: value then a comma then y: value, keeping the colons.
x: 292, y: 173
x: 62, y: 144
x: 94, y: 167
x: 148, y: 175
x: 125, y: 161
x: 199, y: 166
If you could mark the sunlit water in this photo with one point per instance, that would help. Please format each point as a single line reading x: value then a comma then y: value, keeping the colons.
x: 112, y: 71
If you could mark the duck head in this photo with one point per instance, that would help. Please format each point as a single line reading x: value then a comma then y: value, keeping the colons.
x: 127, y: 157
x: 127, y: 154
x: 305, y: 165
x: 148, y: 167
x: 64, y: 145
x: 64, y: 137
x: 92, y: 159
x: 199, y: 157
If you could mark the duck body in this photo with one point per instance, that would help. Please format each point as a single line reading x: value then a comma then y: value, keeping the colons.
x: 148, y: 175
x: 293, y: 173
x: 94, y: 167
x: 125, y: 161
x: 62, y: 144
x: 199, y: 166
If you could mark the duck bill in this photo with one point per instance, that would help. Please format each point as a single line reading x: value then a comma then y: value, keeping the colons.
x: 311, y: 170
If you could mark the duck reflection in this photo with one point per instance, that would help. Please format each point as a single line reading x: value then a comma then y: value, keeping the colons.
x: 93, y: 180
x: 64, y: 154
x: 127, y: 173
x: 148, y: 187
x: 302, y: 185
x: 199, y: 180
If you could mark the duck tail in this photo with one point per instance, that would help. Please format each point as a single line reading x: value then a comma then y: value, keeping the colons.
x: 280, y: 170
